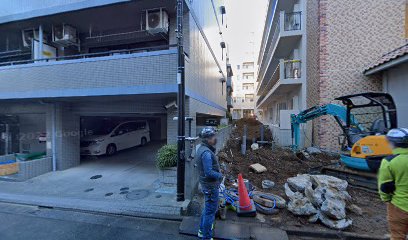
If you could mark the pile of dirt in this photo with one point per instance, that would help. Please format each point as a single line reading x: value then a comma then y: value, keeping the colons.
x: 253, y: 130
x: 281, y: 164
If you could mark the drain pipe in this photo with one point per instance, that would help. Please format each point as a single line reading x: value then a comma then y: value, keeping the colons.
x: 54, y: 137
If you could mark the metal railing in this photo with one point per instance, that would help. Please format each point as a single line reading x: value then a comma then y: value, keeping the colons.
x: 89, y: 55
x: 268, y: 56
x: 293, y: 21
x: 292, y: 68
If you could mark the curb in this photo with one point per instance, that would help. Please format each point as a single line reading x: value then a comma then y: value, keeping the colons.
x: 332, y: 234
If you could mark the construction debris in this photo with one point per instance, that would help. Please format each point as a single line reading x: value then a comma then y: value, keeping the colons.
x: 313, y: 150
x: 282, y: 164
x: 323, y: 196
x: 258, y: 168
x: 267, y: 184
x: 254, y: 146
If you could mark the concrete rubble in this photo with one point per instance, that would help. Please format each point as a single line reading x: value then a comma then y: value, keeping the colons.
x: 321, y: 197
x: 258, y: 168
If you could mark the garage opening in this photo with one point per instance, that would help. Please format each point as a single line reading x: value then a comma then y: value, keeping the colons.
x: 117, y: 135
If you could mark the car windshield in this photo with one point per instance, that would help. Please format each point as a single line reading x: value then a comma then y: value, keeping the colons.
x: 103, y: 129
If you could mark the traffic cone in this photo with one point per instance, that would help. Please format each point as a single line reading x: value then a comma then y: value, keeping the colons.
x: 246, y: 205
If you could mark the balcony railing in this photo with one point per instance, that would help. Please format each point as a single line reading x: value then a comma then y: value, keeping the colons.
x: 292, y: 68
x: 89, y: 55
x: 268, y: 55
x: 293, y: 21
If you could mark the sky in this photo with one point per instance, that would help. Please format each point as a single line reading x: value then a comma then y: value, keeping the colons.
x: 245, y: 21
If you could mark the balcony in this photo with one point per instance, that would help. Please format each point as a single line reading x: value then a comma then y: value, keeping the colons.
x: 109, y: 73
x: 286, y: 77
x: 286, y: 34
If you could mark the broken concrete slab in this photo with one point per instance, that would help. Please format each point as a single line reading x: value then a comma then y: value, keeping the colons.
x: 300, y: 182
x: 258, y: 168
x: 334, y: 208
x: 329, y: 181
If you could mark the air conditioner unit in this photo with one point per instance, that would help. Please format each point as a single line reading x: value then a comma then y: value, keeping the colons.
x: 29, y: 34
x: 157, y: 21
x: 64, y: 35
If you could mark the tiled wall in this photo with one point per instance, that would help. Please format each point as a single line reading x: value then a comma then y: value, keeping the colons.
x: 353, y: 34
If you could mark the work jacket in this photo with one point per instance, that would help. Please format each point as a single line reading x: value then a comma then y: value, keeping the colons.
x: 393, y: 179
x: 208, y: 166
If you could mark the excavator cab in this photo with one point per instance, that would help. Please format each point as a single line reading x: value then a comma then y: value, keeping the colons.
x: 369, y: 117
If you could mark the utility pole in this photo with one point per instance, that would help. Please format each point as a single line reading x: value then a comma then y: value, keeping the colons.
x: 181, y: 104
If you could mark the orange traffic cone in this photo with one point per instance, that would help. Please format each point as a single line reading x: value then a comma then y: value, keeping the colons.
x: 246, y: 205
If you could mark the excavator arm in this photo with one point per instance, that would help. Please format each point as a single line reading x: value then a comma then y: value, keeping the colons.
x: 338, y: 112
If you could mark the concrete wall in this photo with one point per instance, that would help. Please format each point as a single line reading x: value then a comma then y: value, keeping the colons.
x: 395, y: 83
x: 352, y: 35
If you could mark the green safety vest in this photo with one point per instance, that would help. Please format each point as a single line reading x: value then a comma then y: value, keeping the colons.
x: 394, y: 172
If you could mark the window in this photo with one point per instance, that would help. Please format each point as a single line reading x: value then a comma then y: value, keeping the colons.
x: 249, y: 97
x: 248, y: 76
x: 238, y: 67
x: 248, y: 86
x: 248, y: 65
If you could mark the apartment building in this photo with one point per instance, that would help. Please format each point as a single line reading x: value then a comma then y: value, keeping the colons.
x: 63, y: 62
x: 314, y: 51
x: 244, y: 90
x: 245, y: 83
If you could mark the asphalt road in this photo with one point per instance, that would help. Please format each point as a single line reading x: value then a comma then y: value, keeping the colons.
x: 19, y: 222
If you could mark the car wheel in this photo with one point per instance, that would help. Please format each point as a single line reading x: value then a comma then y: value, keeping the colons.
x: 143, y: 141
x: 111, y: 149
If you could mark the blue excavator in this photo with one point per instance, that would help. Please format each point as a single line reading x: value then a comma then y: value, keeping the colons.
x: 364, y: 120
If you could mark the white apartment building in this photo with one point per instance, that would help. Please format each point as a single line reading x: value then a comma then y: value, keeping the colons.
x: 245, y: 84
x: 282, y: 73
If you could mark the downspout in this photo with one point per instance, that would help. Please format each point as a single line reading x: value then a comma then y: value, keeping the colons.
x: 54, y: 137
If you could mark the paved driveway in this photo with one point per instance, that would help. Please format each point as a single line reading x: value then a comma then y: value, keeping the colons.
x: 125, y: 183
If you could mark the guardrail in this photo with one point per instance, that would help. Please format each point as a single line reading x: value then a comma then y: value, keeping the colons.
x: 89, y: 55
x: 292, y: 68
x: 293, y: 21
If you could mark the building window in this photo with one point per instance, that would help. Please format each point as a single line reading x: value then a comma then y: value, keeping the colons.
x: 248, y: 65
x: 249, y: 97
x: 248, y: 86
x: 238, y: 66
x: 248, y: 76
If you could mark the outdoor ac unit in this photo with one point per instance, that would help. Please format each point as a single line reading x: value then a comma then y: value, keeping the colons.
x: 64, y: 35
x: 29, y: 34
x: 157, y: 21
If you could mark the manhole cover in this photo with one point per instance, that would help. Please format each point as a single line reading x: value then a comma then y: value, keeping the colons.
x: 137, y: 194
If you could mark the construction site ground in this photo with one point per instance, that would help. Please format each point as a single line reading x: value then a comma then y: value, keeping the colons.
x: 282, y: 164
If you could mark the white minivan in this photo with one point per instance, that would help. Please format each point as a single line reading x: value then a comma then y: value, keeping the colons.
x: 119, y: 137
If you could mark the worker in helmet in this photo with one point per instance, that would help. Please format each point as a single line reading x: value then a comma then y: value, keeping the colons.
x: 393, y: 183
x: 210, y: 180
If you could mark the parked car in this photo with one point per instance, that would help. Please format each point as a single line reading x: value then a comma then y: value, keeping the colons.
x: 110, y: 139
x: 211, y: 122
